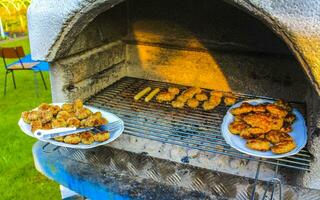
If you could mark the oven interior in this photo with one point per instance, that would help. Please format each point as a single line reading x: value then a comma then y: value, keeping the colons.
x: 209, y: 44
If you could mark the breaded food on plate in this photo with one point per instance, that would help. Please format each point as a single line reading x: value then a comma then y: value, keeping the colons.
x: 67, y: 107
x: 237, y: 126
x: 251, y: 132
x: 283, y: 147
x: 264, y: 121
x: 277, y: 136
x: 36, y: 125
x: 259, y: 108
x: 95, y: 120
x: 25, y: 117
x: 44, y: 106
x: 243, y: 108
x: 64, y: 115
x: 276, y: 110
x: 201, y: 97
x: 47, y: 126
x: 290, y: 118
x: 55, y: 109
x: 77, y: 104
x: 286, y: 128
x: 193, y: 103
x: 58, y: 123
x: 45, y: 116
x: 281, y: 103
x: 82, y: 113
x: 177, y: 104
x: 72, y: 139
x: 87, y: 137
x: 59, y: 138
x: 258, y: 144
x: 73, y: 122
x: 102, y: 136
x: 33, y: 115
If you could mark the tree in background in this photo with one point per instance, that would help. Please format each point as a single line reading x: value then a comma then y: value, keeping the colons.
x: 13, y: 19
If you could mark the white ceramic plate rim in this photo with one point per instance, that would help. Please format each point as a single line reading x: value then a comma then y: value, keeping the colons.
x: 109, y: 116
x: 228, y: 118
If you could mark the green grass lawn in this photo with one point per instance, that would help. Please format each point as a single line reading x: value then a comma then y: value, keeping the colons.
x: 18, y: 176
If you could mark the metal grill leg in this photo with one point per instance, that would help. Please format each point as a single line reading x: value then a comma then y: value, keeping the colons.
x: 273, y: 181
x: 255, y: 181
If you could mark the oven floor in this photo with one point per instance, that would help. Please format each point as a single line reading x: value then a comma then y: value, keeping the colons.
x: 191, y: 128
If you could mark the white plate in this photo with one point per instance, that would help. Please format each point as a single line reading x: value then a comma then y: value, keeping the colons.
x: 299, y: 133
x: 26, y: 128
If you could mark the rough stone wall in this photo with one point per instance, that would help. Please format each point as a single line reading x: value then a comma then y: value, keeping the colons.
x: 87, y: 73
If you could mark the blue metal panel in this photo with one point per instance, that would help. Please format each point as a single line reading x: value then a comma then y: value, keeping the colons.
x: 52, y: 167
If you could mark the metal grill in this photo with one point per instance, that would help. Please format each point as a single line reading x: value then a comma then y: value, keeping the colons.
x: 191, y: 128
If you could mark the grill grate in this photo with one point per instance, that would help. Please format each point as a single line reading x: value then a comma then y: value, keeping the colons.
x: 191, y: 128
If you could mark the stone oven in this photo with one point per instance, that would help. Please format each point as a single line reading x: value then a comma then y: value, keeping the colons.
x: 105, y: 51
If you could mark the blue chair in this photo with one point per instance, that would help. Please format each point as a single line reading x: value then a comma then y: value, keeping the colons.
x: 18, y: 53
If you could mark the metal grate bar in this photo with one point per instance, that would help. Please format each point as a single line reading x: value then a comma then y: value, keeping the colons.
x: 191, y: 128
